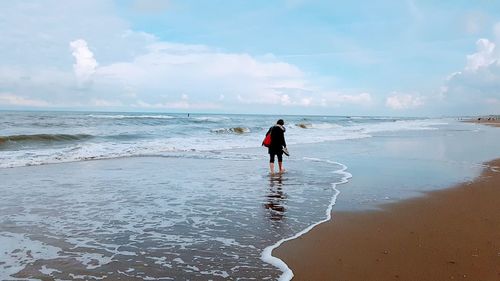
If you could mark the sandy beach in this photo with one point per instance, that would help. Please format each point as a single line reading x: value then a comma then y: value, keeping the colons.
x: 444, y: 235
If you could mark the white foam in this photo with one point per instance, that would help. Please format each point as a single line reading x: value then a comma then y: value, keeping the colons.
x: 178, y: 260
x: 399, y: 125
x: 231, y: 242
x: 86, y: 277
x: 267, y: 256
x: 88, y: 259
x: 234, y: 130
x: 48, y: 271
x: 18, y: 250
x: 211, y: 118
x: 325, y: 126
x: 221, y: 273
x: 161, y: 261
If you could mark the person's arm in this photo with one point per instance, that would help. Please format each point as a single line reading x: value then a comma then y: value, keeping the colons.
x: 284, y: 142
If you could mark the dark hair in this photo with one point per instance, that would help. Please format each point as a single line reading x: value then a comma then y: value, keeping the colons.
x: 280, y: 122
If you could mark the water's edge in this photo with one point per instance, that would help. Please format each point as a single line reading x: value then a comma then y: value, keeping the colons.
x: 267, y: 252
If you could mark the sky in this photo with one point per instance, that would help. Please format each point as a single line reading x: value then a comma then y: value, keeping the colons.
x: 385, y: 58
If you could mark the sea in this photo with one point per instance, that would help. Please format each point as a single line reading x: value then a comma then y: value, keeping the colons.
x: 177, y: 196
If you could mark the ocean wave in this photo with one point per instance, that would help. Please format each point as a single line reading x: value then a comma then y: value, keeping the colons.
x: 235, y: 130
x: 317, y: 125
x: 120, y: 116
x: 325, y: 126
x: 304, y: 125
x: 42, y: 138
x: 209, y: 119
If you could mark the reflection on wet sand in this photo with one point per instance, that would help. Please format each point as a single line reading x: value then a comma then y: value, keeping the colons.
x: 275, y: 198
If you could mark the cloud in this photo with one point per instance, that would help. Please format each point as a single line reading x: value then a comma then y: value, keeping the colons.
x: 476, y: 88
x: 336, y: 99
x: 363, y: 98
x: 179, y: 104
x: 85, y: 65
x: 484, y: 56
x: 105, y: 103
x: 399, y: 101
x: 11, y: 99
x: 493, y: 101
x: 205, y: 74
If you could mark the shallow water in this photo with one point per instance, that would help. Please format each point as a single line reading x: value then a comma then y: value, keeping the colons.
x: 154, y: 217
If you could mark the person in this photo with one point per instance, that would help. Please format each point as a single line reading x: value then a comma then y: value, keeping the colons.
x: 277, y: 144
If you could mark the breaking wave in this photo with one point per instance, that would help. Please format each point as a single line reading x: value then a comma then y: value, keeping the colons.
x: 42, y: 138
x: 235, y: 130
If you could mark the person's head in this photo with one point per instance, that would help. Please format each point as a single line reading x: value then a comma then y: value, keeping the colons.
x: 280, y: 122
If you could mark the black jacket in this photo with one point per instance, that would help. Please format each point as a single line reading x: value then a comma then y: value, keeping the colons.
x: 277, y: 139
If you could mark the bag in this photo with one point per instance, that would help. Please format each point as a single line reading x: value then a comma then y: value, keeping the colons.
x: 267, y: 140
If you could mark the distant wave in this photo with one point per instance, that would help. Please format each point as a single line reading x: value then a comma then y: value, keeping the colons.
x: 317, y: 125
x: 37, y: 138
x: 235, y: 130
x: 131, y: 116
x: 304, y: 125
x: 326, y: 126
x: 209, y: 119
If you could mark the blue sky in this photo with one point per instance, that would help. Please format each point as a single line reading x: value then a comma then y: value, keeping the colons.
x: 404, y: 58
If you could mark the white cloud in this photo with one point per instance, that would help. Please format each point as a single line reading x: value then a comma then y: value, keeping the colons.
x: 105, y: 103
x: 85, y: 65
x: 363, y: 98
x: 475, y: 89
x: 179, y: 104
x: 484, y: 56
x: 399, y: 101
x: 493, y: 101
x: 205, y: 73
x: 11, y: 99
x: 338, y: 99
x: 305, y: 101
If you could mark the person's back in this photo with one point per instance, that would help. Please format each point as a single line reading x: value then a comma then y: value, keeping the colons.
x: 277, y: 138
x: 277, y: 144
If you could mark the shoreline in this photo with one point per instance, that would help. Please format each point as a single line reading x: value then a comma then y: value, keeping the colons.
x: 267, y: 255
x: 446, y: 234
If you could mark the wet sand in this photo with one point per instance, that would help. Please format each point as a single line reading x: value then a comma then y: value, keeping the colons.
x: 451, y: 234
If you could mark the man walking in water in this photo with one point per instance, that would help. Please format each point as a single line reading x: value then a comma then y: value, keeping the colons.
x: 277, y: 145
